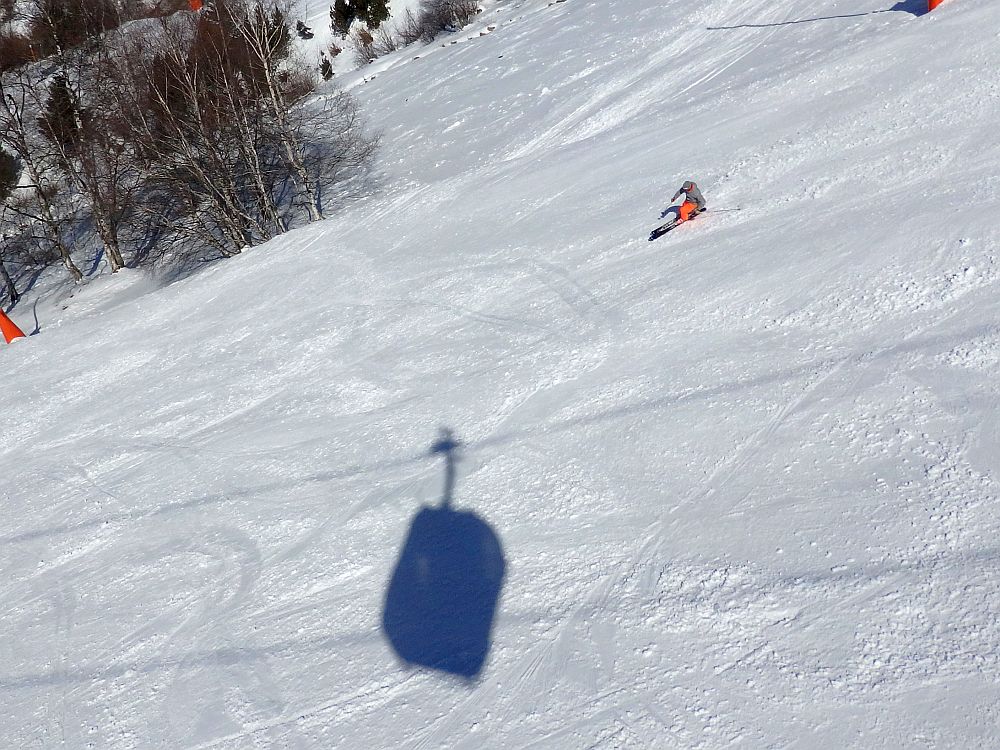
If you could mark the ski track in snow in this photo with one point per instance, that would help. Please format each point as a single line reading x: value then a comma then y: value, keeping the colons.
x: 745, y: 478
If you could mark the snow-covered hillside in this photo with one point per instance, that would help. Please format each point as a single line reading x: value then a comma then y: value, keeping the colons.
x: 737, y: 487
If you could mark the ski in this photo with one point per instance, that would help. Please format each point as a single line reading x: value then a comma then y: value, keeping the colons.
x: 663, y: 229
x: 672, y: 224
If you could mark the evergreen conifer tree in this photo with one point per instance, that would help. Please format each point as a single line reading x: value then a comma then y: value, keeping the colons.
x: 378, y: 12
x: 341, y: 17
x: 361, y: 10
x: 62, y: 119
x: 9, y: 172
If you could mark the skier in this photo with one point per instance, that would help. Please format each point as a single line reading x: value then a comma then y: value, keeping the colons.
x: 694, y: 201
x: 694, y: 204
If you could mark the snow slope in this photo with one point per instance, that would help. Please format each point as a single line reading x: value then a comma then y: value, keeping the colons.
x: 744, y: 480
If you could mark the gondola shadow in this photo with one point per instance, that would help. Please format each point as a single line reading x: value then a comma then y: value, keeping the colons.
x: 442, y: 598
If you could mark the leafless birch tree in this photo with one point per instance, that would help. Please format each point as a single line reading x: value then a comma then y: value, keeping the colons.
x: 36, y: 202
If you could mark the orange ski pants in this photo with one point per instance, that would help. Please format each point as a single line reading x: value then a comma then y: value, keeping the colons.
x: 687, y: 208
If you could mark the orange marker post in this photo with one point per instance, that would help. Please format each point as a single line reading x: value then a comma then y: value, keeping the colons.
x: 9, y: 328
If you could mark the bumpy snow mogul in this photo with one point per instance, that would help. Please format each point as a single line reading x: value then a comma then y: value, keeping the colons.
x: 694, y: 204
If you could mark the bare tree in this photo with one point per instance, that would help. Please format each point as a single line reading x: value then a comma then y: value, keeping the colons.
x: 38, y: 162
x: 408, y: 28
x: 365, y: 51
x: 9, y: 176
x: 183, y: 127
x: 264, y: 36
x: 201, y: 129
x: 12, y: 293
x: 440, y: 15
x: 59, y: 25
x: 92, y: 154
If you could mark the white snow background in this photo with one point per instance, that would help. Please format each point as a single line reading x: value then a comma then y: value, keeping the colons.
x: 745, y: 478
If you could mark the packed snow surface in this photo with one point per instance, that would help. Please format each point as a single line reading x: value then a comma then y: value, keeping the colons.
x: 736, y: 487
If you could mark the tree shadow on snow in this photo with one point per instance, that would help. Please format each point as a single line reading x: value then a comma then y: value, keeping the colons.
x: 95, y: 264
x: 914, y: 7
x: 443, y: 594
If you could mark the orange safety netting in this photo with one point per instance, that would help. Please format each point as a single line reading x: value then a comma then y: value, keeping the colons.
x: 9, y: 328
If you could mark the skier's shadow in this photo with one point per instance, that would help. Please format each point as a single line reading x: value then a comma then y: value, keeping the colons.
x: 914, y: 7
x: 443, y: 594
